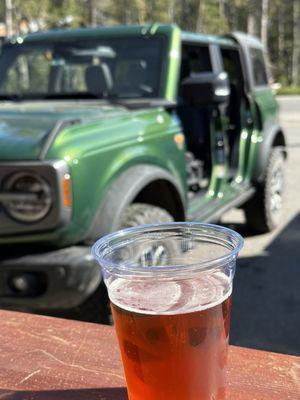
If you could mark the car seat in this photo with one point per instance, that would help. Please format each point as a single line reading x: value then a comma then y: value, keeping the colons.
x: 195, y: 121
x: 98, y: 79
x: 132, y: 78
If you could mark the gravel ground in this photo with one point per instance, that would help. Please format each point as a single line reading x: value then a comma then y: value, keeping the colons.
x: 266, y: 307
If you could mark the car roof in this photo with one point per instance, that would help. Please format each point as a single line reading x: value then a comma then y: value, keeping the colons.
x: 120, y: 30
x: 113, y: 30
x: 244, y: 39
x: 205, y: 38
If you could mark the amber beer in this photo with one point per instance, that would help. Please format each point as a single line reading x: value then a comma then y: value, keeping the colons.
x: 174, y: 355
x: 170, y: 289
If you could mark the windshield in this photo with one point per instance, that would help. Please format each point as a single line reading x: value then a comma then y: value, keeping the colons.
x: 125, y: 67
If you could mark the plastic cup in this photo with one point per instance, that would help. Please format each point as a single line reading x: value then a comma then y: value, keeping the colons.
x: 170, y: 290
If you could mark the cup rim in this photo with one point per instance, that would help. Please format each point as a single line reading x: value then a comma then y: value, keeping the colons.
x: 103, y: 246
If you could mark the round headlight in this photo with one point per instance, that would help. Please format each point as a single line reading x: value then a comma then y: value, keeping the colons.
x: 30, y: 197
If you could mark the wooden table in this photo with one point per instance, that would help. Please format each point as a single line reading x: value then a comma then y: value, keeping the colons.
x: 50, y: 358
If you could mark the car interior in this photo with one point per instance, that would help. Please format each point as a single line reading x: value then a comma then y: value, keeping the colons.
x: 197, y: 120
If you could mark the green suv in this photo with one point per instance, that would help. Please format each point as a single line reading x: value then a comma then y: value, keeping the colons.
x: 105, y: 128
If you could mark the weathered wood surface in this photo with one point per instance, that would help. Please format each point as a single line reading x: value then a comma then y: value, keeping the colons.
x: 51, y: 358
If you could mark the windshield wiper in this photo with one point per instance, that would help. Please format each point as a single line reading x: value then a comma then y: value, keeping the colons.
x: 113, y: 100
x: 68, y: 96
x: 110, y: 99
x: 12, y: 97
x: 45, y: 96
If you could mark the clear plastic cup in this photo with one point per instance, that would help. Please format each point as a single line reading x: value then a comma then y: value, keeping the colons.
x: 170, y: 290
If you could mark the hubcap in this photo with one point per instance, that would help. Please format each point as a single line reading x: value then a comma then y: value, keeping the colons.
x: 154, y: 255
x: 276, y: 189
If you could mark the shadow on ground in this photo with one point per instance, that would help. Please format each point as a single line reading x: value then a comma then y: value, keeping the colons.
x: 71, y: 394
x: 242, y: 228
x: 266, y: 307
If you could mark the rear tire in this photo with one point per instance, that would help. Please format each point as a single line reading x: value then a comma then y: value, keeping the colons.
x: 263, y: 211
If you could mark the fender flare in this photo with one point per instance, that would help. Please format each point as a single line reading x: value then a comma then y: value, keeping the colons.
x: 271, y: 137
x: 122, y: 192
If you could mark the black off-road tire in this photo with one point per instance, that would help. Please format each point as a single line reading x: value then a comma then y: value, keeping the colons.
x: 96, y: 308
x: 141, y: 214
x: 263, y: 211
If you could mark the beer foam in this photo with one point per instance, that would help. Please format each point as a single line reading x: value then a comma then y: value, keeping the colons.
x: 170, y: 297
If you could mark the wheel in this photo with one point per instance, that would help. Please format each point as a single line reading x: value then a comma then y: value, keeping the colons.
x: 141, y: 214
x: 264, y: 211
x: 96, y: 308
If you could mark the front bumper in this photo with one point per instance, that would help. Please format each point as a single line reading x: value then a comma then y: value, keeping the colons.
x: 59, y: 279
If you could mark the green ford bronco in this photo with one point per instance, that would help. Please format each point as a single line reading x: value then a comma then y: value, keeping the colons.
x: 105, y: 128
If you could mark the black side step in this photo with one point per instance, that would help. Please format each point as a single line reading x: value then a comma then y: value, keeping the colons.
x: 205, y: 215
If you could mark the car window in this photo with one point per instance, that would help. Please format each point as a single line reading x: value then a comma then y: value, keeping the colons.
x: 122, y: 67
x: 258, y: 67
x: 27, y: 73
x: 195, y: 59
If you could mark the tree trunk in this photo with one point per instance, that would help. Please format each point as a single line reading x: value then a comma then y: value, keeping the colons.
x: 171, y: 10
x: 281, y: 37
x: 251, y: 24
x: 264, y: 23
x: 141, y: 11
x: 8, y: 18
x: 100, y: 18
x: 296, y: 42
x: 252, y: 17
x: 127, y: 13
x: 199, y: 23
x: 222, y: 9
x: 92, y: 13
x: 150, y: 10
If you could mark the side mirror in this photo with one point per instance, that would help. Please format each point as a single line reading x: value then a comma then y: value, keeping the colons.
x: 206, y: 89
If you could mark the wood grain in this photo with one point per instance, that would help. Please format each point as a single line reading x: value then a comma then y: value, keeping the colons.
x: 51, y: 358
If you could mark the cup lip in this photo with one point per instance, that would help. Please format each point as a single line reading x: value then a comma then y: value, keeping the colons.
x: 126, y: 271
